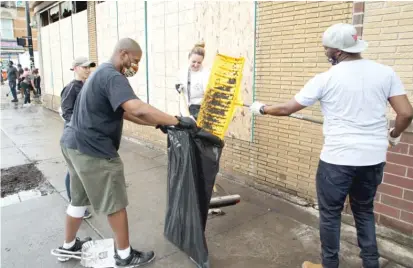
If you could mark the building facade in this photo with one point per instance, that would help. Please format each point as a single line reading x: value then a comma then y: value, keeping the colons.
x: 281, y: 42
x: 13, y: 25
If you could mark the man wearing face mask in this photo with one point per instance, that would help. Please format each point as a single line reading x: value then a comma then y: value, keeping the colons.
x: 353, y: 95
x: 90, y: 143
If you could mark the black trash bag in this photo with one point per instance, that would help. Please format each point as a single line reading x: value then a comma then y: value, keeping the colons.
x: 193, y: 163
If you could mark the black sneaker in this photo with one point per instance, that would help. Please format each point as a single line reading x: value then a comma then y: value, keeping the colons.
x: 135, y: 259
x: 77, y: 247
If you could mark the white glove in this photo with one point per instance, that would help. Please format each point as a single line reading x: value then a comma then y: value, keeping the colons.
x: 255, y: 108
x: 393, y: 141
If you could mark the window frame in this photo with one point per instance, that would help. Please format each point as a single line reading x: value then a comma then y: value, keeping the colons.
x: 11, y: 30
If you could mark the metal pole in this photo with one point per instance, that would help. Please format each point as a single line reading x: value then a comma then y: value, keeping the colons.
x: 29, y: 36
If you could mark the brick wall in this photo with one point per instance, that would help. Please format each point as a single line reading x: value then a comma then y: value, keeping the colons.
x: 20, y: 26
x: 285, y: 152
x: 388, y: 27
x: 358, y: 17
x: 91, y: 25
x: 394, y: 201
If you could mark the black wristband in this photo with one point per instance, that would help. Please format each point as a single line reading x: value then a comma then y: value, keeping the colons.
x: 262, y: 110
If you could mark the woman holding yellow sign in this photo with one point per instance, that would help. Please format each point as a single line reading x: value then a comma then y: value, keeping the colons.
x: 193, y: 82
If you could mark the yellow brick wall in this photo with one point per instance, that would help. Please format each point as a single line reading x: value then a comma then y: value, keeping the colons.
x: 388, y: 28
x: 285, y: 152
x: 20, y: 26
x: 91, y: 23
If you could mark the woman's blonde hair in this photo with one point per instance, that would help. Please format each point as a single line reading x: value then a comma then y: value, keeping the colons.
x: 198, y: 49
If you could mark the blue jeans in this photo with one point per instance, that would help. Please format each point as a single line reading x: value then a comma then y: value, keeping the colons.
x: 67, y: 182
x: 334, y: 183
x: 12, y: 85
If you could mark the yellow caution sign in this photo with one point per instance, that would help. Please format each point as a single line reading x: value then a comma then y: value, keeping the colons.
x: 222, y: 95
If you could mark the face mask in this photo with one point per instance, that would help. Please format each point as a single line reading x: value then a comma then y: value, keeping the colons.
x: 333, y: 60
x: 131, y: 71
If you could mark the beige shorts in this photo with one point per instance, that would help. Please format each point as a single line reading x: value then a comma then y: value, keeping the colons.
x: 99, y: 182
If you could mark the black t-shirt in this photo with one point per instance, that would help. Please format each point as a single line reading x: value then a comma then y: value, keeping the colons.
x: 68, y: 98
x: 96, y: 125
x: 12, y: 73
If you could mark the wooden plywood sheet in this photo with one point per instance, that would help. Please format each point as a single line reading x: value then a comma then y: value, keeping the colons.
x: 66, y: 44
x: 156, y: 53
x: 230, y: 31
x: 106, y: 29
x: 47, y: 74
x: 56, y: 62
x: 80, y: 35
x: 132, y: 25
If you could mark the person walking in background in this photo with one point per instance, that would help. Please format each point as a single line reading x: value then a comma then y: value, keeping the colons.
x: 193, y: 80
x: 353, y: 95
x: 26, y: 85
x: 12, y: 75
x: 20, y: 78
x: 37, y: 82
x: 81, y: 67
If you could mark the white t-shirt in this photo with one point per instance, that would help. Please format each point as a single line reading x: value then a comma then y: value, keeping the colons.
x: 199, y: 82
x: 353, y: 96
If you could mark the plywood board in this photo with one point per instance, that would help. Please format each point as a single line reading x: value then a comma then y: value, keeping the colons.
x: 156, y: 53
x: 47, y: 75
x: 56, y: 63
x: 132, y: 25
x: 66, y: 44
x: 228, y: 27
x: 106, y: 29
x: 80, y: 34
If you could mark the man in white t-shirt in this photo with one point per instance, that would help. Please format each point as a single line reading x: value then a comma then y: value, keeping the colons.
x: 353, y: 95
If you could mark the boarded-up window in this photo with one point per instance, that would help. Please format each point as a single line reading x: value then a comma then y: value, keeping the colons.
x: 65, y: 9
x: 54, y: 14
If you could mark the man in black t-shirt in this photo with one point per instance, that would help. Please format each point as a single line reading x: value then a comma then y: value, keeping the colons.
x: 90, y: 143
x: 12, y: 75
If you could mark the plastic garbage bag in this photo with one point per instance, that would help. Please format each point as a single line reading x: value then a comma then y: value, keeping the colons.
x: 193, y: 163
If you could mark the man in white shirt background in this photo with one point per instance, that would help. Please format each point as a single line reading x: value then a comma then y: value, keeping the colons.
x: 353, y: 95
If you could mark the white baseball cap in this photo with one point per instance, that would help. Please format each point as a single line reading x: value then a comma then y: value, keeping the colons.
x: 82, y: 61
x: 344, y: 37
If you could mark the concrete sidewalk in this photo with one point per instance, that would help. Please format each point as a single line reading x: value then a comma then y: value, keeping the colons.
x: 261, y: 231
